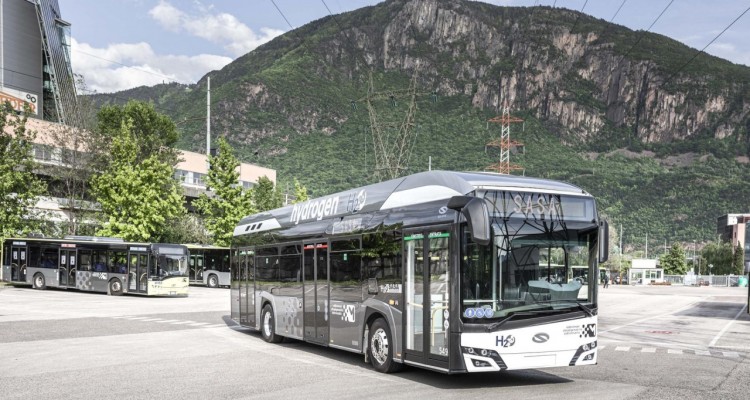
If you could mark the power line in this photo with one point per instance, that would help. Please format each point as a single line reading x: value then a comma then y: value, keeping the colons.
x: 129, y: 66
x: 704, y: 48
x: 347, y: 35
x: 618, y: 11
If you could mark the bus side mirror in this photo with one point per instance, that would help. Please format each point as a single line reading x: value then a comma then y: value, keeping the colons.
x: 474, y: 209
x: 603, y: 241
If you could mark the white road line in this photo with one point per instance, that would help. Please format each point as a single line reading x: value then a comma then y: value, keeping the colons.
x: 674, y: 351
x: 122, y: 316
x: 655, y: 316
x: 217, y: 326
x: 731, y: 354
x: 602, y: 347
x: 648, y: 350
x: 622, y: 348
x: 151, y: 319
x: 183, y: 322
x: 167, y: 321
x: 136, y: 318
x: 702, y: 353
x: 200, y: 324
x: 718, y: 336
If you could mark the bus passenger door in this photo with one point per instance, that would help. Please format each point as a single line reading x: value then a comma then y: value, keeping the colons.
x: 137, y: 272
x: 196, y: 268
x: 18, y: 261
x: 315, y: 273
x: 67, y: 268
x: 427, y: 318
x: 247, y: 287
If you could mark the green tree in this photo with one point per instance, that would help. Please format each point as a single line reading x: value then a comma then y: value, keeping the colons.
x: 185, y: 228
x: 19, y: 186
x: 154, y: 133
x: 718, y: 254
x: 224, y: 208
x: 300, y: 192
x: 738, y: 260
x: 137, y: 197
x: 674, y: 261
x: 265, y: 195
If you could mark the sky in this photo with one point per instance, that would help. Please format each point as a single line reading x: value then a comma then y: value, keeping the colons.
x: 121, y: 44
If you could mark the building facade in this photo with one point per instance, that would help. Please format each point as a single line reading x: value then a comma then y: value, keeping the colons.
x: 735, y: 228
x: 35, y: 67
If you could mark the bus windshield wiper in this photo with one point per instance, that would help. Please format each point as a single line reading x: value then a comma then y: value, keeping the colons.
x: 497, y: 324
x: 580, y: 305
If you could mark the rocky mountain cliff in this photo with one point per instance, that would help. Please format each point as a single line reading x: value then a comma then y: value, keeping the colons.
x: 593, y: 86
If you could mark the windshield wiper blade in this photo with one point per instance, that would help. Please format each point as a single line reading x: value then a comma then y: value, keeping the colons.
x: 585, y: 309
x: 497, y: 324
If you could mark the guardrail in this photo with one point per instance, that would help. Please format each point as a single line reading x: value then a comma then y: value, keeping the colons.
x: 704, y: 280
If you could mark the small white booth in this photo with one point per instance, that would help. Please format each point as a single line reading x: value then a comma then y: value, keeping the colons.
x: 644, y: 271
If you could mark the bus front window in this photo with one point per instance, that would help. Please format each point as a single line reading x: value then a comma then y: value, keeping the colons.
x: 173, y: 266
x: 529, y: 266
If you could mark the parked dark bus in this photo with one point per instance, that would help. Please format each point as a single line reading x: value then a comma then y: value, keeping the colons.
x: 450, y: 271
x: 97, y: 264
x: 209, y: 265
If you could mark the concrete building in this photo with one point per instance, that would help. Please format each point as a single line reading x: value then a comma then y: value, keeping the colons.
x: 735, y: 228
x: 35, y: 68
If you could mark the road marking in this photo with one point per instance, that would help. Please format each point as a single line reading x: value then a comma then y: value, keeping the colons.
x: 719, y: 335
x: 200, y: 323
x: 731, y: 354
x: 183, y: 322
x: 655, y: 316
x: 164, y: 321
x: 136, y: 318
x: 622, y: 348
x: 217, y: 326
x: 648, y: 350
x: 151, y: 320
x: 123, y: 316
x: 674, y: 351
x: 702, y: 352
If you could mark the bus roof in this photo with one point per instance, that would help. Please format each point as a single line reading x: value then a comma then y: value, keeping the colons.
x: 420, y: 188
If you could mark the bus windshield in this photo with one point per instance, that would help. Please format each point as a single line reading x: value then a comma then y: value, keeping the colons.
x: 529, y: 266
x: 173, y: 265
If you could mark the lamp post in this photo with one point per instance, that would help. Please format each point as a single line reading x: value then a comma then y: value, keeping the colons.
x: 710, y: 269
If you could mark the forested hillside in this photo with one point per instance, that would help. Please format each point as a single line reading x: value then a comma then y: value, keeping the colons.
x: 662, y: 143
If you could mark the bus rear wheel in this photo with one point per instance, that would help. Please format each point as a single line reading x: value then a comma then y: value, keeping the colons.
x: 213, y: 281
x: 39, y: 282
x: 381, y: 347
x: 115, y: 287
x: 267, y: 325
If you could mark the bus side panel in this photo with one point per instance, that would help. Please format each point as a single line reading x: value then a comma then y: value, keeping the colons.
x: 288, y: 313
x: 346, y: 324
x: 50, y: 276
x: 393, y: 316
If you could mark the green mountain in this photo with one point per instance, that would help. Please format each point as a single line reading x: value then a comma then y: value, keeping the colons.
x: 661, y: 136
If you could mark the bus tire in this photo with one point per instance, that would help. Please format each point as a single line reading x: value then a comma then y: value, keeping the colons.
x: 380, y: 347
x: 39, y: 282
x: 213, y: 281
x: 267, y: 325
x: 115, y: 287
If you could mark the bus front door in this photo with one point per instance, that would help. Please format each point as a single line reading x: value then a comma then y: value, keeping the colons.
x: 67, y: 269
x: 18, y: 263
x: 315, y: 265
x: 427, y: 318
x: 137, y: 272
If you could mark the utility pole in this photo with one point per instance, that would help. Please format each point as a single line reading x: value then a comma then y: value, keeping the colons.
x: 208, y: 119
x: 647, y: 246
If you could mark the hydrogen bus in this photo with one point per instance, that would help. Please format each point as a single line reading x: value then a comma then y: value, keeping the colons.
x: 97, y: 264
x: 450, y: 271
x: 209, y: 265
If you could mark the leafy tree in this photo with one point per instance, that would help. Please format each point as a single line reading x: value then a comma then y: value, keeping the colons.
x: 185, y: 228
x: 19, y: 186
x: 137, y: 197
x: 228, y: 203
x: 738, y: 260
x: 718, y: 254
x: 300, y: 192
x: 674, y: 261
x: 154, y: 133
x: 265, y: 195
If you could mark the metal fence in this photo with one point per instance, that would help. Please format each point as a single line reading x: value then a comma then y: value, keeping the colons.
x: 703, y: 280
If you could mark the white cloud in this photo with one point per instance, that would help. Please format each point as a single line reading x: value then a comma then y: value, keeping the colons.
x: 221, y: 28
x: 127, y: 65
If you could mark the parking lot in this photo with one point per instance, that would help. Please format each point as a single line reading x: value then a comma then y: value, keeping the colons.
x: 655, y: 342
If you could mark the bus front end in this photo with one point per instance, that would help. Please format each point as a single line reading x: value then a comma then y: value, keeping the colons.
x: 528, y: 287
x: 170, y: 275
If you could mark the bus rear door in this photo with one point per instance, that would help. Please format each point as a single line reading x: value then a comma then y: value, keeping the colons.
x: 67, y: 268
x: 315, y: 266
x: 18, y: 261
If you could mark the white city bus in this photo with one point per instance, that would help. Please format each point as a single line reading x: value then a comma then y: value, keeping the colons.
x: 454, y: 272
x: 209, y: 265
x: 97, y: 264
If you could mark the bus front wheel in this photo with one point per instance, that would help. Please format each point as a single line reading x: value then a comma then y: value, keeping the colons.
x: 267, y: 327
x: 213, y: 281
x: 380, y: 347
x: 39, y: 282
x: 115, y: 287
